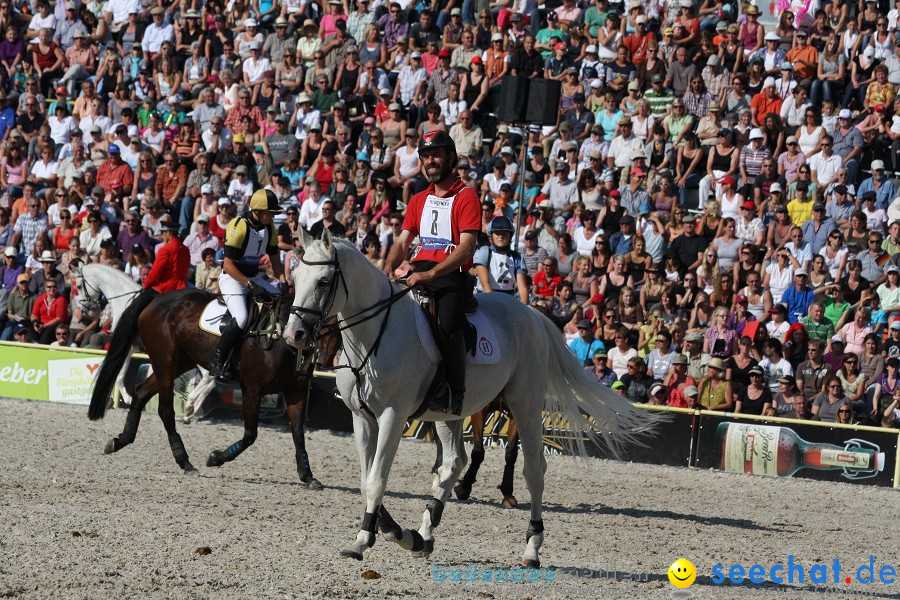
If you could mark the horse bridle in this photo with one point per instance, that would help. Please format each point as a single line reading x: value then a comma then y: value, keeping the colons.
x: 92, y: 304
x: 322, y: 328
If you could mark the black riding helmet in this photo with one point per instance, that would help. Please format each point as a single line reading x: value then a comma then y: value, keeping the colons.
x: 440, y: 139
x: 437, y: 139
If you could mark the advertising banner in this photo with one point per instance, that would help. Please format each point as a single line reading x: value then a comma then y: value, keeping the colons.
x: 788, y: 448
x: 42, y: 374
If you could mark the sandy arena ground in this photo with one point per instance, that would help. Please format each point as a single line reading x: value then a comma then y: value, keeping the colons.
x: 77, y: 524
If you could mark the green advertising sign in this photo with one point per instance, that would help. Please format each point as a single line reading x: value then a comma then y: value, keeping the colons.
x: 42, y: 374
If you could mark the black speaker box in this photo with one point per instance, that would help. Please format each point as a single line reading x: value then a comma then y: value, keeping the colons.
x: 543, y: 101
x: 513, y: 101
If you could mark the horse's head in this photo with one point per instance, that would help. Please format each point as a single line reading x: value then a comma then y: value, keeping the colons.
x: 319, y: 289
x: 88, y: 294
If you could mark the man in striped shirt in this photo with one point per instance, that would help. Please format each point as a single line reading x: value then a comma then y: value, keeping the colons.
x: 659, y: 97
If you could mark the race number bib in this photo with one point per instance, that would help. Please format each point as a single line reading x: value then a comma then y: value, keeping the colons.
x: 502, y: 271
x: 435, y: 230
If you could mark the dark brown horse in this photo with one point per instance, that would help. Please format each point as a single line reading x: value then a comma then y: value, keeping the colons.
x: 167, y: 327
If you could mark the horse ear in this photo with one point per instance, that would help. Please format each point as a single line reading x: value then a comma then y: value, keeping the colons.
x: 304, y: 238
x: 326, y: 238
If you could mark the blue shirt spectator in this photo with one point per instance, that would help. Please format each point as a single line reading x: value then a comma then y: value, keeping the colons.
x: 798, y: 297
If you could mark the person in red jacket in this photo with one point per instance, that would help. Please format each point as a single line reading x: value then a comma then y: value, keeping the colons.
x: 447, y: 218
x: 50, y: 309
x: 173, y: 259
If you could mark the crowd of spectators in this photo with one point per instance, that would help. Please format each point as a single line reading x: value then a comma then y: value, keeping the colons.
x: 712, y: 217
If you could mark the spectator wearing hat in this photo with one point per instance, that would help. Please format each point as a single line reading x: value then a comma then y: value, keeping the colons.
x: 157, y: 32
x: 279, y: 143
x: 47, y: 272
x: 82, y: 60
x: 637, y: 42
x: 19, y: 305
x: 173, y: 261
x: 114, y: 172
x: 878, y: 182
x: 753, y: 156
x: 579, y: 118
x: 755, y: 398
x: 848, y: 143
x: 659, y: 96
x: 621, y: 150
x: 600, y: 368
x: 817, y: 229
x: 766, y: 102
x: 200, y: 240
x: 714, y: 391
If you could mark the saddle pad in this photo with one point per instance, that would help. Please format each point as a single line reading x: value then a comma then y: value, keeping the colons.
x: 211, y: 317
x: 487, y: 350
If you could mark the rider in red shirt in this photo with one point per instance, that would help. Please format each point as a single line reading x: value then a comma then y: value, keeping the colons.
x: 173, y: 259
x: 447, y: 219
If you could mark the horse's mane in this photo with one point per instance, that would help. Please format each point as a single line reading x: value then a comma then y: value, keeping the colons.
x: 111, y: 271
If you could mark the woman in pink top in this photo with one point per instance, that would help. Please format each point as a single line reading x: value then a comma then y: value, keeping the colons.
x: 855, y: 332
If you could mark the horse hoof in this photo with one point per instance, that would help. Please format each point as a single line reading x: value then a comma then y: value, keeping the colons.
x: 191, y: 470
x: 215, y: 459
x: 530, y: 563
x: 313, y: 484
x: 426, y: 551
x: 463, y: 491
x: 351, y: 553
x: 110, y: 446
x: 510, y: 502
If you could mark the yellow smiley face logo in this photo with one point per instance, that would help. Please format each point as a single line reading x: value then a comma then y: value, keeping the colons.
x: 682, y: 573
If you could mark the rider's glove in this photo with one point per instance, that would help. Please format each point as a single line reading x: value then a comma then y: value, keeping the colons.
x: 259, y: 293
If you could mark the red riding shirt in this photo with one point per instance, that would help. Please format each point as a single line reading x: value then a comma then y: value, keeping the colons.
x: 169, y: 272
x: 439, y: 221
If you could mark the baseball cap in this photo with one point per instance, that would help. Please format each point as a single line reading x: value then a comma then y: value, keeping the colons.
x: 224, y: 201
x: 23, y: 277
x: 530, y: 235
x: 756, y: 134
x: 691, y: 391
x: 845, y: 114
x: 206, y: 188
x: 895, y: 325
x: 818, y: 206
x: 112, y: 149
x: 617, y: 385
x: 775, y: 187
x: 203, y: 218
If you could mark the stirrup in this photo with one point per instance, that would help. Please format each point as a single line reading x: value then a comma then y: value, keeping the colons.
x: 445, y: 401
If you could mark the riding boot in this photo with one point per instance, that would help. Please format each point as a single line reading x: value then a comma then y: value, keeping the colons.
x: 450, y: 395
x: 230, y: 336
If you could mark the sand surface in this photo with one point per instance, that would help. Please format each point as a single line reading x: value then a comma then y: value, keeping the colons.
x: 77, y: 524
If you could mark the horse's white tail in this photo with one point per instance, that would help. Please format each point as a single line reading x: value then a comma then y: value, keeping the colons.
x: 588, y: 408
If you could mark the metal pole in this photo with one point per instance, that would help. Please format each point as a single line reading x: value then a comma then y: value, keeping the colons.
x: 521, y: 187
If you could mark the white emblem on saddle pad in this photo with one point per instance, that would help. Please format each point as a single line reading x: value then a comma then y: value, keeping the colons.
x: 487, y: 350
x: 211, y: 317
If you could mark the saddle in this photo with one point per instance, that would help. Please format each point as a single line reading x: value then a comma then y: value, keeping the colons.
x: 428, y: 304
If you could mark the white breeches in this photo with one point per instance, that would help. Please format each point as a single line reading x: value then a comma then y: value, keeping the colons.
x: 235, y: 294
